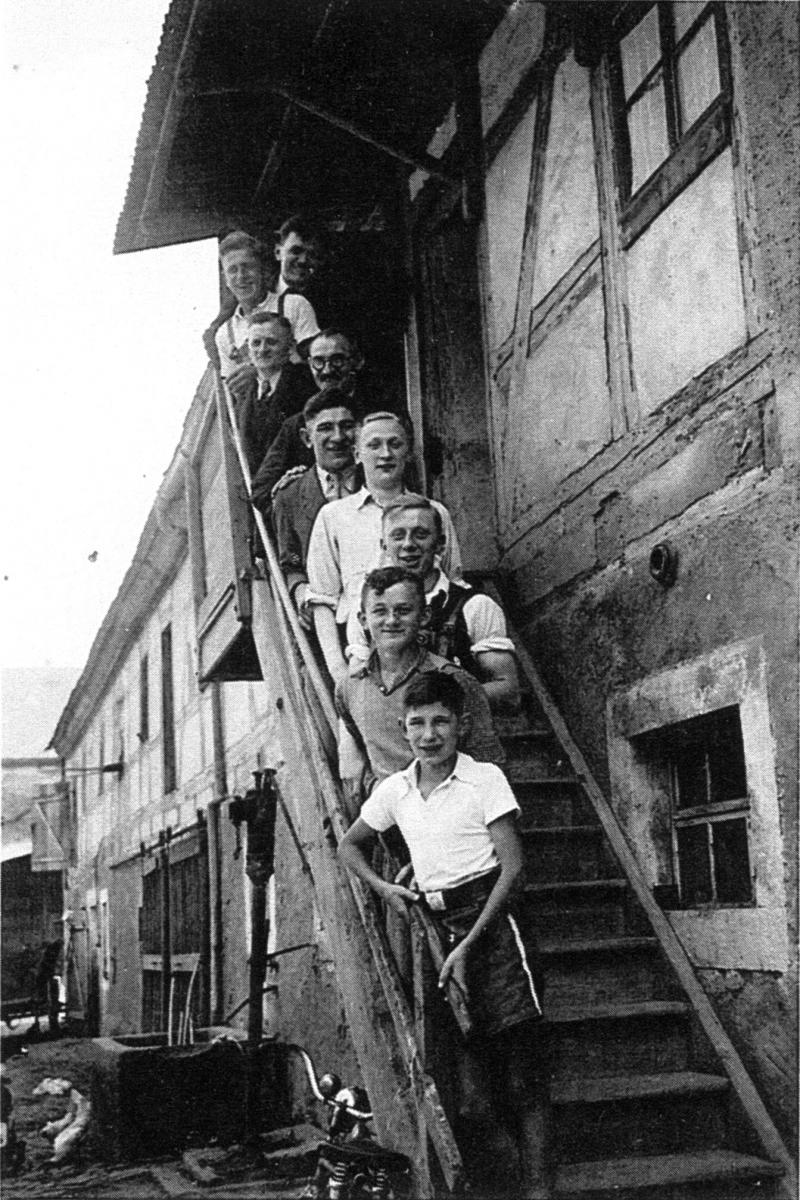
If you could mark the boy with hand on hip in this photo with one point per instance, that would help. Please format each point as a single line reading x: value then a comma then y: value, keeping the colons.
x: 459, y: 820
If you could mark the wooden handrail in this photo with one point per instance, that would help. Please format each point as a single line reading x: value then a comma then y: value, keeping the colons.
x: 434, y: 1119
x: 670, y: 943
x: 276, y: 574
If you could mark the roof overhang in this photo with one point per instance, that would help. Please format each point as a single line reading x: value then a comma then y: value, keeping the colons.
x: 258, y: 108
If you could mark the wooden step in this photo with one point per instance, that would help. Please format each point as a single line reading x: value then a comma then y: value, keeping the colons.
x: 638, y: 1087
x: 549, y: 800
x: 576, y: 852
x: 661, y: 1113
x: 669, y: 1175
x: 605, y: 971
x: 584, y: 909
x: 619, y: 1039
x: 597, y: 946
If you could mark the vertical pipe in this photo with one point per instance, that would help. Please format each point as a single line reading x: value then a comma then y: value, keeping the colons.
x: 166, y: 947
x: 215, y: 856
x: 258, y: 971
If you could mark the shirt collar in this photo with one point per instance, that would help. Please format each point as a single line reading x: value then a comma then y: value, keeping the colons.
x: 345, y: 476
x: 272, y: 381
x: 441, y: 586
x: 371, y: 669
x: 463, y: 770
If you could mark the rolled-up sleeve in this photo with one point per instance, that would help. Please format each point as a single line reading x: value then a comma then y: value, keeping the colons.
x: 486, y: 625
x: 322, y: 561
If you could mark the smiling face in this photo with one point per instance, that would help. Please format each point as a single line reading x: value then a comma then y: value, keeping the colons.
x: 382, y: 450
x: 433, y: 731
x: 269, y: 345
x: 244, y: 275
x: 411, y: 539
x: 331, y: 434
x: 393, y: 617
x: 332, y: 362
x: 299, y: 260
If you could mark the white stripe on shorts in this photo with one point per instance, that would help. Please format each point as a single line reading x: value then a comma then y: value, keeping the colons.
x: 524, y: 957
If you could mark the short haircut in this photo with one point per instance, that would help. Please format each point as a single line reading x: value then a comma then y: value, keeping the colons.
x: 435, y: 687
x: 260, y: 317
x: 410, y: 501
x: 239, y: 240
x: 304, y: 228
x: 383, y: 578
x: 328, y: 398
x: 384, y: 415
x: 336, y: 331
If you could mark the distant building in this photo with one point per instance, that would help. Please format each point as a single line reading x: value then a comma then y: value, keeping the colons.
x: 35, y: 845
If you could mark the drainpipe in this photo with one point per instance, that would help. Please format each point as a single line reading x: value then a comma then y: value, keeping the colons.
x: 257, y: 810
x: 217, y: 997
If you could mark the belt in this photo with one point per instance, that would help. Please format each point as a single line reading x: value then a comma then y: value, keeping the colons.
x: 463, y: 894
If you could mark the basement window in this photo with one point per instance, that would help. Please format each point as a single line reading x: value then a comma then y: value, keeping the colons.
x: 710, y: 808
x: 671, y: 86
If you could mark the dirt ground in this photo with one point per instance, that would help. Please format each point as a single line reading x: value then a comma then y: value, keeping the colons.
x: 27, y: 1062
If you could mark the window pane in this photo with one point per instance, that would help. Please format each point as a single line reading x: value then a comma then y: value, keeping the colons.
x: 728, y: 777
x: 690, y: 775
x: 731, y: 862
x: 698, y: 74
x: 647, y: 128
x: 640, y: 51
x: 684, y: 13
x: 694, y: 865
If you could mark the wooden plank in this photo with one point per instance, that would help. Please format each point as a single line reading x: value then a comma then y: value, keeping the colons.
x: 723, y: 1046
x: 274, y: 625
x: 328, y: 790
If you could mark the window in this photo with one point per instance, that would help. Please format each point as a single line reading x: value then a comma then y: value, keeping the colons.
x: 671, y: 87
x: 119, y: 730
x: 144, y: 699
x: 101, y: 761
x: 710, y: 808
x: 167, y: 711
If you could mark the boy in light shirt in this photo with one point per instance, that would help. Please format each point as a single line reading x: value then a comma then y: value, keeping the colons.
x: 463, y: 625
x: 459, y: 821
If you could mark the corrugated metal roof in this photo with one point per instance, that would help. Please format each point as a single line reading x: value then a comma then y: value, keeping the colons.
x: 221, y: 145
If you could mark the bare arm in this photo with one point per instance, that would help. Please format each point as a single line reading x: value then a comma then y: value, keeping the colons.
x: 508, y: 847
x: 353, y: 850
x: 498, y: 671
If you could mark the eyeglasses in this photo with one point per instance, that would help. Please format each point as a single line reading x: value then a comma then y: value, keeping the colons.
x: 337, y: 361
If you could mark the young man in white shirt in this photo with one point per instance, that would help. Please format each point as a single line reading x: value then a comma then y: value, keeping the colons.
x: 243, y: 263
x: 459, y: 821
x: 345, y: 540
x: 463, y: 625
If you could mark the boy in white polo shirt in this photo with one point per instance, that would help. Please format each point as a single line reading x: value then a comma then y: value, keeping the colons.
x: 459, y: 820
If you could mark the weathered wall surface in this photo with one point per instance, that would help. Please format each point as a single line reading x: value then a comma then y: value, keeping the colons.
x: 672, y: 413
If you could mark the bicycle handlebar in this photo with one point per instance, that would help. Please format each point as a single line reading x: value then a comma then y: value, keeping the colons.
x: 314, y: 1083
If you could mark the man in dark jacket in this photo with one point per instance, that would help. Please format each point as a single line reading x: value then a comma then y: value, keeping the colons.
x: 335, y: 361
x: 278, y: 390
x: 329, y: 432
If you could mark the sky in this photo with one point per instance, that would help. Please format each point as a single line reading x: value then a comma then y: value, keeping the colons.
x: 101, y: 354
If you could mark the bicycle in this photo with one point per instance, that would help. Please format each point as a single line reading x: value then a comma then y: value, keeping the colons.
x: 351, y: 1164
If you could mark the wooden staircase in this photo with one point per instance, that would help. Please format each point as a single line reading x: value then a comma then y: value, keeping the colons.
x: 651, y: 1100
x: 641, y: 1106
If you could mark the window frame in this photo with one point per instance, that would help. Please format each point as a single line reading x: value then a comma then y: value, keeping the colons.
x: 706, y: 816
x: 144, y: 699
x: 169, y: 764
x: 691, y: 149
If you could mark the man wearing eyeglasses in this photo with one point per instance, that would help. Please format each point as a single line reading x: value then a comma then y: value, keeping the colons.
x: 335, y: 361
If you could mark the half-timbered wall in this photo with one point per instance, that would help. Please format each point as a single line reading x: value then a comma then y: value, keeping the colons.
x: 639, y: 265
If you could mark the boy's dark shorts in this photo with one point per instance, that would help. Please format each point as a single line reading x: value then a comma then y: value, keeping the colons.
x: 504, y: 976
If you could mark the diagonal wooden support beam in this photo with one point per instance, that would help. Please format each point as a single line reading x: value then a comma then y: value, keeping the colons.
x: 421, y: 162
